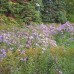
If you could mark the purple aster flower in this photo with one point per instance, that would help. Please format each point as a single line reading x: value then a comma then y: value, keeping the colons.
x: 28, y: 44
x: 3, y: 52
x: 1, y: 38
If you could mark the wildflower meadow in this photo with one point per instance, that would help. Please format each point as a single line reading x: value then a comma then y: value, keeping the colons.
x: 36, y: 36
x: 37, y: 49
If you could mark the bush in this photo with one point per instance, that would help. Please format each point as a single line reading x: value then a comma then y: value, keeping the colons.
x: 7, y: 22
x: 70, y: 17
x: 25, y: 11
x: 29, y: 13
x: 54, y: 12
x: 61, y: 17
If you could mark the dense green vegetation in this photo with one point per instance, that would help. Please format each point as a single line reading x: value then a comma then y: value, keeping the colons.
x: 58, y: 11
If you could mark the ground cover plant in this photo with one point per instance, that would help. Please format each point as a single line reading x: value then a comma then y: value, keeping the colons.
x: 37, y: 49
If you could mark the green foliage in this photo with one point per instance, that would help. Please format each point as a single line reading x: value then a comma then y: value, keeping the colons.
x: 7, y: 22
x: 58, y: 11
x: 37, y: 62
x: 25, y: 11
x: 62, y: 38
x: 66, y: 61
x: 54, y: 11
x: 61, y: 17
x: 69, y: 7
x: 70, y: 17
x: 29, y: 13
x: 3, y: 6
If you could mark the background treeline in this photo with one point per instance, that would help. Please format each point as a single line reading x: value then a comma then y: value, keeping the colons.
x: 47, y: 11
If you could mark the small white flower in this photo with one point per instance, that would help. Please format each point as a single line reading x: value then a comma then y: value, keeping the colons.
x: 44, y: 41
x: 37, y: 4
x: 60, y: 72
x: 11, y: 48
x: 53, y: 43
x: 43, y: 49
x: 31, y: 37
x: 37, y: 44
x: 21, y: 46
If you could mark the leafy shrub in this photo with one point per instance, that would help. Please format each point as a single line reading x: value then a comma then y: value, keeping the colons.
x: 61, y: 17
x: 70, y: 17
x: 54, y: 12
x: 25, y: 11
x: 29, y: 13
x: 7, y: 22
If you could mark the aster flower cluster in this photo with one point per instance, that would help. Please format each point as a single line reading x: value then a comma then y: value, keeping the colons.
x: 65, y: 32
x: 40, y: 36
x: 66, y: 27
x: 41, y: 30
x: 2, y: 54
x: 1, y: 38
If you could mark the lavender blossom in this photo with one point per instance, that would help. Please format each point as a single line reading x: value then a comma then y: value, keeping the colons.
x: 66, y: 27
x: 1, y: 38
x: 52, y: 29
x: 28, y: 43
x: 3, y: 52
